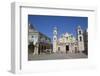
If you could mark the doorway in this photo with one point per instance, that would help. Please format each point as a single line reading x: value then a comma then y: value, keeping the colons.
x: 67, y: 48
x: 58, y: 48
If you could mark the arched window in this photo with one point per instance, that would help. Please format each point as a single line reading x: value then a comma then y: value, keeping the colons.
x: 54, y: 38
x: 79, y: 32
x: 80, y: 38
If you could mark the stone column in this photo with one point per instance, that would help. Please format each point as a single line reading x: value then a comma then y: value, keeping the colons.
x: 36, y: 50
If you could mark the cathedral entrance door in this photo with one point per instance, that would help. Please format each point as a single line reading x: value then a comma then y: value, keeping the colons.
x: 58, y: 48
x: 67, y: 48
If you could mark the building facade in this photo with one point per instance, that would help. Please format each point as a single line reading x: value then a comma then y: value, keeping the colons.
x: 67, y: 42
x: 38, y: 42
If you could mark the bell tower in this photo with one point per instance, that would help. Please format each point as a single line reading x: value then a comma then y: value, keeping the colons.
x: 80, y: 39
x: 55, y: 39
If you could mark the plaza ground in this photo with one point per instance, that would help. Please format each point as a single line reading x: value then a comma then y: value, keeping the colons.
x: 54, y: 56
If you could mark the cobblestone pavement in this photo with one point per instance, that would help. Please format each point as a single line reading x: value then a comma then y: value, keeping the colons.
x: 54, y: 56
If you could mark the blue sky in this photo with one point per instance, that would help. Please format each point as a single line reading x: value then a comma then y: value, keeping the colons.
x: 64, y: 24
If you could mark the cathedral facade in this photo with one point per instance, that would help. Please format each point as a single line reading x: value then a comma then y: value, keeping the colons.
x: 67, y: 42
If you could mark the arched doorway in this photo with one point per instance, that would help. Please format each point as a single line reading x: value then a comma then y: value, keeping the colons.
x: 58, y: 48
x: 31, y: 48
x: 67, y: 48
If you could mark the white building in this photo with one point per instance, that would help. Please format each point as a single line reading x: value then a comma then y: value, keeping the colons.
x: 37, y: 41
x: 67, y: 42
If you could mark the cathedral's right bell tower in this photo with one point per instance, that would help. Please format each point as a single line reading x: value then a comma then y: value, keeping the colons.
x: 80, y: 39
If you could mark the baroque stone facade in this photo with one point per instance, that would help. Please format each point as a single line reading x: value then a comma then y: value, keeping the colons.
x: 67, y: 42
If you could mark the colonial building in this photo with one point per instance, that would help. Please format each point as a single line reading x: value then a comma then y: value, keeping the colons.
x: 67, y: 42
x: 37, y: 41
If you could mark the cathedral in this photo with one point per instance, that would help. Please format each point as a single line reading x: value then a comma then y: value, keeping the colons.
x: 67, y: 43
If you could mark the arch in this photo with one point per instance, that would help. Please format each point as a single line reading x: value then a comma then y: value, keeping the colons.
x: 80, y: 38
x: 80, y: 32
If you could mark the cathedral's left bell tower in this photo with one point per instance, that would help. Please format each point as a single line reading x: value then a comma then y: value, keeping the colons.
x: 55, y: 39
